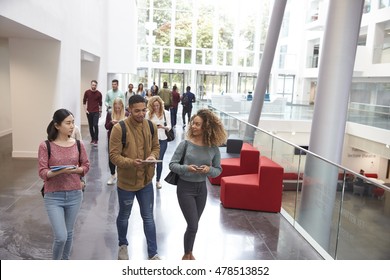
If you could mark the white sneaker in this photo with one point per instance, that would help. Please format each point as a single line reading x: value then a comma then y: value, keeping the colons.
x: 155, y: 258
x: 112, y: 180
x: 158, y: 185
x: 123, y: 254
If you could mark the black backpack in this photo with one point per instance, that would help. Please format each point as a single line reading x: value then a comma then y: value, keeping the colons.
x: 185, y: 100
x: 123, y: 126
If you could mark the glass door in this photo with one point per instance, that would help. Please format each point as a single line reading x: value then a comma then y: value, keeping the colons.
x: 212, y: 83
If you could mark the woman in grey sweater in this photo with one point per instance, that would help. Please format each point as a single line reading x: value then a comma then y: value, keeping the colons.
x: 202, y: 159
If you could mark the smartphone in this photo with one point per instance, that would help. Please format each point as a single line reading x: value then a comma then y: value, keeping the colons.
x: 199, y: 168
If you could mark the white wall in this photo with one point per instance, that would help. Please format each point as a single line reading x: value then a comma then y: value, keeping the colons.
x: 5, y: 96
x: 33, y: 79
x: 46, y: 70
x: 122, y: 37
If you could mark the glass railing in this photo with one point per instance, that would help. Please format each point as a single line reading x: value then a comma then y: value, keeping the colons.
x: 277, y: 108
x: 369, y: 114
x: 342, y: 214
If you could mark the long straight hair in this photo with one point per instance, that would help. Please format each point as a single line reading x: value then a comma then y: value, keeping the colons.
x: 121, y: 115
x: 58, y: 117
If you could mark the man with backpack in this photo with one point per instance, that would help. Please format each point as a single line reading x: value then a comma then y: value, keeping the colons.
x: 186, y: 100
x: 134, y: 153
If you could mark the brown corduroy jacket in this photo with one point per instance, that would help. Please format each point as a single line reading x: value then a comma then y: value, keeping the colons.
x: 140, y: 144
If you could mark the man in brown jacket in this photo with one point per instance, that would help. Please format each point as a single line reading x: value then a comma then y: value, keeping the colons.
x: 135, y: 174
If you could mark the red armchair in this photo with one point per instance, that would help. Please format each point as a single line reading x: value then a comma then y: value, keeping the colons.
x: 261, y: 191
x: 247, y: 163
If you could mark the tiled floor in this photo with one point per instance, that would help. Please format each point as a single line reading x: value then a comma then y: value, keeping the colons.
x: 224, y: 234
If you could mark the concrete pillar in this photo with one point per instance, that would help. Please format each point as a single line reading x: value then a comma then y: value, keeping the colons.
x: 330, y: 112
x: 266, y: 65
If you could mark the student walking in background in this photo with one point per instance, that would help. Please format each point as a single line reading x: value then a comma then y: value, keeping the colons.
x: 92, y: 102
x: 174, y: 105
x: 162, y: 119
x: 117, y: 114
x: 166, y: 96
x: 113, y: 93
x: 186, y: 100
x: 62, y: 188
x: 202, y: 158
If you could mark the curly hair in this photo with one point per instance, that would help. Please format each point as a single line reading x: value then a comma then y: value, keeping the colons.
x: 150, y: 106
x: 214, y: 134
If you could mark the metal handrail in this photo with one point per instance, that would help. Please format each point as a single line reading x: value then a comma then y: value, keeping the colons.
x: 304, y: 150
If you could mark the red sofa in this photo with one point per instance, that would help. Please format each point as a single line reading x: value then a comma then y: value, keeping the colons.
x: 247, y: 163
x: 261, y: 191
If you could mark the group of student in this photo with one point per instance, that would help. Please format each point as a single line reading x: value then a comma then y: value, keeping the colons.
x: 133, y: 159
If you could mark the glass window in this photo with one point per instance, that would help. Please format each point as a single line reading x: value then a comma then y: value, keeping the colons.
x: 166, y: 4
x: 205, y: 27
x: 163, y: 31
x: 183, y: 29
x: 384, y: 4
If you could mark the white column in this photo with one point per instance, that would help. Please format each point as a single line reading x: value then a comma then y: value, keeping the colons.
x: 266, y: 64
x: 330, y: 112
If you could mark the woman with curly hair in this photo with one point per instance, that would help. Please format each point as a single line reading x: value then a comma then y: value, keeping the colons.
x: 202, y: 158
x: 162, y: 119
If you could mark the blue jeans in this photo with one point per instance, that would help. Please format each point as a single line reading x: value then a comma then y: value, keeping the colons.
x: 145, y: 198
x: 173, y: 116
x: 62, y: 209
x: 163, y: 148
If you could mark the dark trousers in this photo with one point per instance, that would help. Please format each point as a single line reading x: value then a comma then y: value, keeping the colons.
x: 186, y: 110
x: 173, y: 116
x: 93, y: 123
x: 110, y: 164
x: 192, y: 198
x: 163, y: 148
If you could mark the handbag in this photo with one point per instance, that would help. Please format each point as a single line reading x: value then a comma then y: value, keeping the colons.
x: 170, y: 133
x: 172, y: 177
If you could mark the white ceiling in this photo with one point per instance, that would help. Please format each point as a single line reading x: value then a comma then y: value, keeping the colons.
x: 12, y: 29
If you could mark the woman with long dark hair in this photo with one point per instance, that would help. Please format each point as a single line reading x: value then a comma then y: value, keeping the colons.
x: 61, y: 174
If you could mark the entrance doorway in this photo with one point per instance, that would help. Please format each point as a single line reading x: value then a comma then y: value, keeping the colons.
x: 212, y: 83
x: 175, y: 77
x: 286, y: 86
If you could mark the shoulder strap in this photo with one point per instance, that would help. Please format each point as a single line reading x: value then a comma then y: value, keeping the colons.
x: 151, y: 127
x: 79, y: 148
x: 184, y: 152
x: 123, y: 126
x: 165, y: 119
x: 48, y: 148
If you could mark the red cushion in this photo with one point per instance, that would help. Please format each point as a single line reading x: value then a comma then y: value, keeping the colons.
x: 371, y: 175
x: 290, y: 176
x: 261, y: 191
x: 247, y: 163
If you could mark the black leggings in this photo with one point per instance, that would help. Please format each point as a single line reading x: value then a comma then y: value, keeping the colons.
x: 192, y: 198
